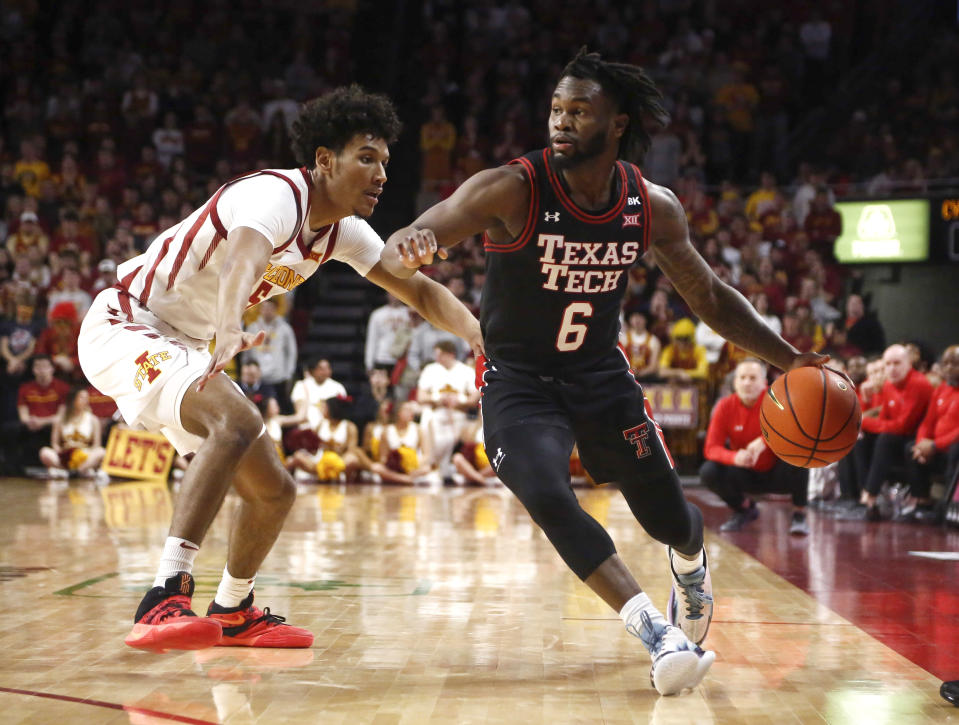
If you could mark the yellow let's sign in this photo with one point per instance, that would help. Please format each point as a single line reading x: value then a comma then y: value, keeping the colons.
x: 138, y: 454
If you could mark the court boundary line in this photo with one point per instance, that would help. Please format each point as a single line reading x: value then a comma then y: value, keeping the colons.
x: 107, y: 705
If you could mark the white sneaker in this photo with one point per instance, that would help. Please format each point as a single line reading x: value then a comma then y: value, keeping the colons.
x: 678, y: 664
x: 690, y: 605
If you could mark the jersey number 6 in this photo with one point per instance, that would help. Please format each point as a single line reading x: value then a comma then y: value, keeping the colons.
x: 572, y: 334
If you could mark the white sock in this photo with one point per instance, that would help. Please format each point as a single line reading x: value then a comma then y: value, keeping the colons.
x: 686, y: 566
x: 178, y: 555
x: 232, y: 591
x: 633, y: 610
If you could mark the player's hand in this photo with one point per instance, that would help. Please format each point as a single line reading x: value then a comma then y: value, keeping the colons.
x: 228, y: 345
x: 809, y: 359
x: 417, y: 248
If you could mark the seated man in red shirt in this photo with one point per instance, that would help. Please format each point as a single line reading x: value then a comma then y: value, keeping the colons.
x: 902, y: 402
x: 936, y: 446
x: 38, y: 402
x: 737, y: 458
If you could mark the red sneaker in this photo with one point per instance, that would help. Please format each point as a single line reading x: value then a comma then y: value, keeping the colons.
x: 164, y: 620
x: 249, y: 626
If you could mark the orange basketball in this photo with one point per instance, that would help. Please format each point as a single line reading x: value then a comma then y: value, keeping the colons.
x: 810, y: 417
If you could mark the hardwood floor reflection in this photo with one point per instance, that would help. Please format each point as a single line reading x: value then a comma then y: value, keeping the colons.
x: 442, y: 606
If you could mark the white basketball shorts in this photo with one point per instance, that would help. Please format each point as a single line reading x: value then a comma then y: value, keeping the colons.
x: 143, y: 363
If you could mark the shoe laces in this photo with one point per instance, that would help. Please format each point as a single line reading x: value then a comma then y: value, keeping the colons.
x: 266, y: 616
x: 692, y: 586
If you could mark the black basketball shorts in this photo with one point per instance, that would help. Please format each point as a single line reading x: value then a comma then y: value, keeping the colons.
x: 602, y: 406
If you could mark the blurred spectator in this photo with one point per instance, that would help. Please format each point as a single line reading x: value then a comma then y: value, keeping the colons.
x: 338, y: 456
x: 71, y: 236
x: 936, y: 446
x: 71, y: 294
x: 104, y: 408
x: 106, y: 276
x: 736, y: 101
x: 276, y: 356
x: 59, y: 341
x: 682, y: 360
x: 661, y: 164
x: 18, y: 339
x: 738, y: 461
x: 902, y: 400
x: 243, y: 127
x: 39, y: 402
x: 168, y: 140
x: 423, y: 342
x: 710, y: 340
x: 761, y: 302
x: 470, y: 460
x: 373, y: 394
x: 446, y: 376
x: 316, y: 386
x: 863, y: 329
x: 384, y: 324
x: 30, y: 170
x: 404, y: 450
x: 76, y: 439
x: 823, y: 223
x: 202, y: 138
x: 29, y: 234
x: 437, y: 141
x: 643, y: 348
x: 765, y: 198
x: 252, y: 383
x: 811, y: 181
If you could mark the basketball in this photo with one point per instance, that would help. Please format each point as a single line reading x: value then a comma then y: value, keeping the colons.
x: 810, y: 417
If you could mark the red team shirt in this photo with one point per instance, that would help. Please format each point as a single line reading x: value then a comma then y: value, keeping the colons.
x: 43, y: 400
x: 903, y: 405
x: 736, y: 424
x: 941, y: 423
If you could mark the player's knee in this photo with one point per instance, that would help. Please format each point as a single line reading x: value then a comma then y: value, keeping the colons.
x: 550, y: 507
x: 281, y: 492
x: 239, y: 427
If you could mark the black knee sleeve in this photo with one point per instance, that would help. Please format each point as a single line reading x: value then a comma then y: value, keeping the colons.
x: 534, y: 464
x: 659, y: 505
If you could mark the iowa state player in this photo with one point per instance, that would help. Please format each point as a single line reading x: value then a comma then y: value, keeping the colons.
x: 145, y: 341
x: 563, y: 226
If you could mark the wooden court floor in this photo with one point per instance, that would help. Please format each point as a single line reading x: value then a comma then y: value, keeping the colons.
x: 440, y: 606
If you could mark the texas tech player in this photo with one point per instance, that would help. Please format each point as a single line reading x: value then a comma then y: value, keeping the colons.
x: 562, y: 227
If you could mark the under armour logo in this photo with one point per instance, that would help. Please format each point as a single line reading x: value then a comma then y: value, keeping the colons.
x: 551, y: 216
x: 498, y: 458
x: 634, y: 201
x: 631, y: 220
x: 637, y: 436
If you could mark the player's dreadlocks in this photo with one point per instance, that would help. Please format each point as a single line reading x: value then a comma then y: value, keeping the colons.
x: 335, y: 117
x: 634, y: 94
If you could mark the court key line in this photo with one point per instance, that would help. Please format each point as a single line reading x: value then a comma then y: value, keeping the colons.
x: 108, y: 705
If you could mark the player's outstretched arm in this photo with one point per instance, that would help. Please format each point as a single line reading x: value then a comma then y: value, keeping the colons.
x: 433, y: 301
x: 487, y: 200
x: 722, y: 308
x: 250, y: 253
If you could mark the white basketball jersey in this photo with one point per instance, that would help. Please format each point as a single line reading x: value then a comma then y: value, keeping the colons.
x: 177, y: 277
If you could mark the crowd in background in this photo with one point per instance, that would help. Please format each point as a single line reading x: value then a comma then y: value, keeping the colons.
x: 112, y: 144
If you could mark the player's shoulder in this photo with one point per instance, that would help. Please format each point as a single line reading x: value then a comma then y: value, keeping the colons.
x: 662, y: 199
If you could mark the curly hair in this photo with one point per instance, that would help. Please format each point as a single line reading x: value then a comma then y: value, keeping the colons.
x: 336, y: 117
x: 633, y: 92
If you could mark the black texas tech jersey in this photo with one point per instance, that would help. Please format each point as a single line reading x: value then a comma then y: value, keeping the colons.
x: 552, y: 296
